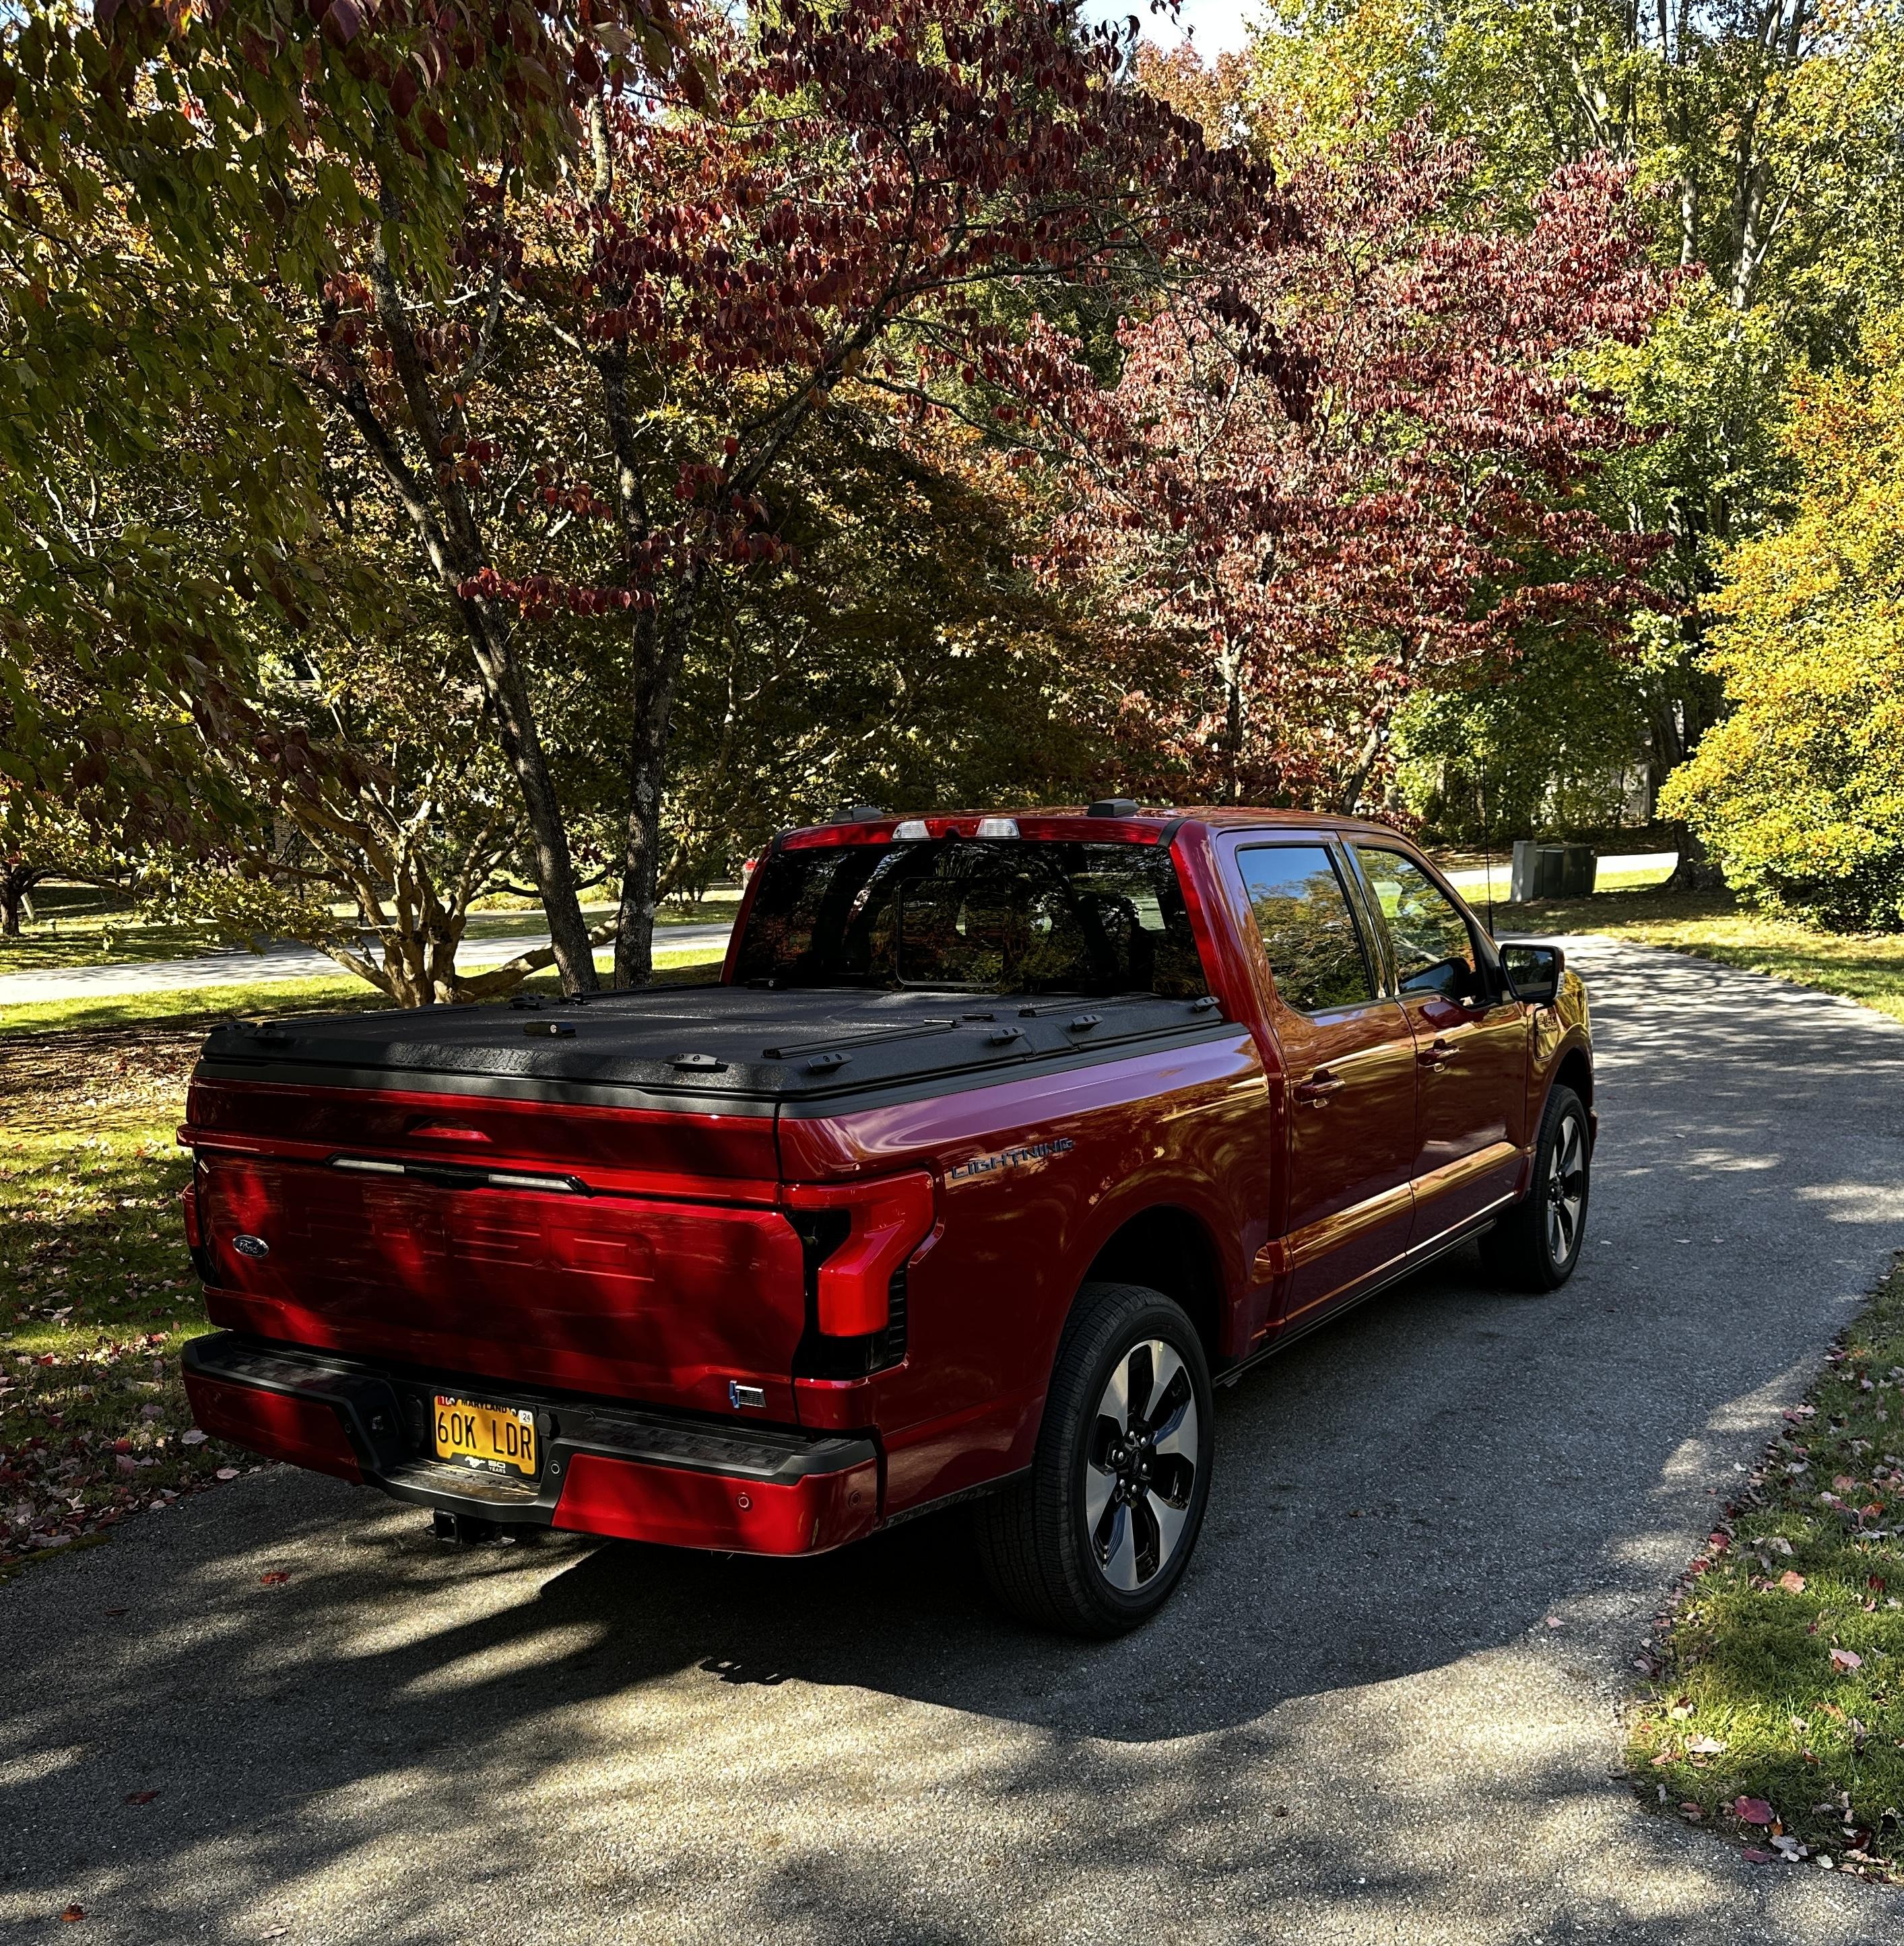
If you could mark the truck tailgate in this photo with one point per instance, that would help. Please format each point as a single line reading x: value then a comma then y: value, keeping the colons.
x: 635, y: 1254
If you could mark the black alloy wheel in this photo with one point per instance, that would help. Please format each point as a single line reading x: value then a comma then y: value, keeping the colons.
x: 1536, y: 1245
x: 1094, y: 1538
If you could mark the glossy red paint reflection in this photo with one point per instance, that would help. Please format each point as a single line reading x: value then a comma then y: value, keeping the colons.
x: 299, y: 1431
x: 673, y: 1277
x: 683, y: 1509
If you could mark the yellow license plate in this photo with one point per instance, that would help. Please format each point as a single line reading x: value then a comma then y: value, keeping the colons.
x: 496, y: 1439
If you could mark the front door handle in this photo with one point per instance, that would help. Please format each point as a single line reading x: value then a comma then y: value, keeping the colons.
x: 1437, y: 1057
x: 1317, y: 1090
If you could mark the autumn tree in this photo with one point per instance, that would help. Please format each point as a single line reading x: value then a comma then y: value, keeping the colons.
x: 596, y: 416
x: 1355, y: 470
x: 901, y: 653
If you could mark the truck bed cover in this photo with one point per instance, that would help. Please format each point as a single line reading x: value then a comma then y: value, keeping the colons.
x: 748, y: 1050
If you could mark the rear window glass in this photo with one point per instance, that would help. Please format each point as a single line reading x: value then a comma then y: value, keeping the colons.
x: 1005, y: 916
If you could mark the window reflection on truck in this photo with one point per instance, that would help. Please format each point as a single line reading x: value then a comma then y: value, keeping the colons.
x: 1012, y: 1158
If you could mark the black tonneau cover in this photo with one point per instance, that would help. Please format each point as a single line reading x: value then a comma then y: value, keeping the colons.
x: 742, y: 1047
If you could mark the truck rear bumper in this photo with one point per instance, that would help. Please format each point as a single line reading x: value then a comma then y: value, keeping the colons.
x: 622, y: 1472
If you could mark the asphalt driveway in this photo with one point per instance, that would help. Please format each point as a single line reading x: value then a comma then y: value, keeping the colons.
x: 1354, y: 1723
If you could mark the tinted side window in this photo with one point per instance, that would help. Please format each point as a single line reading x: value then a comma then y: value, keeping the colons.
x: 1434, y: 951
x: 1302, y: 915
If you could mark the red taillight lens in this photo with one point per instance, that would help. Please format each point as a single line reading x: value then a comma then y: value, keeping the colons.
x: 890, y: 1219
x: 188, y: 1206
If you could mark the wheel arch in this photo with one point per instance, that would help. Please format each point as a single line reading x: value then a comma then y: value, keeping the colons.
x: 1575, y: 1071
x: 1168, y: 1249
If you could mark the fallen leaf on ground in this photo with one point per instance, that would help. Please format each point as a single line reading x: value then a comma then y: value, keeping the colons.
x: 276, y: 1579
x: 1845, y: 1658
x: 1705, y: 1746
x: 1792, y: 1583
x: 192, y: 1438
x: 1759, y: 1857
x: 141, y: 1796
x: 1752, y: 1811
x: 73, y: 1913
x: 226, y: 1473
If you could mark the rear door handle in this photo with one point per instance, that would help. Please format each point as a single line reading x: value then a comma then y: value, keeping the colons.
x: 1438, y: 1056
x: 1318, y: 1088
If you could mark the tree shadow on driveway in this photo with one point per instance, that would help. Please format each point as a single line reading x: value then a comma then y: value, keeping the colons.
x: 421, y: 1743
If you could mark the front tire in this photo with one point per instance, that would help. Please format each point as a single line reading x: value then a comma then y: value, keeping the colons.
x: 1093, y: 1539
x: 1536, y: 1245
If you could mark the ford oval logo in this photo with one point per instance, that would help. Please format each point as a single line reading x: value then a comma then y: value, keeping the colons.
x: 247, y: 1246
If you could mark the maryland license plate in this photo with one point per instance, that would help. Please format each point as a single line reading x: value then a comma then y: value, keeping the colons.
x: 492, y: 1438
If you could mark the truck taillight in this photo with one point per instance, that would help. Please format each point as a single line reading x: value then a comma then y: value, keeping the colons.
x: 889, y: 1220
x: 203, y: 1261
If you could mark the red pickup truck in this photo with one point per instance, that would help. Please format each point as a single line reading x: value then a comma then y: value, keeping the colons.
x: 999, y: 1139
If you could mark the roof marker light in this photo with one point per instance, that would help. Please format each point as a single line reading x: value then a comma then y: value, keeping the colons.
x: 910, y: 830
x: 998, y: 827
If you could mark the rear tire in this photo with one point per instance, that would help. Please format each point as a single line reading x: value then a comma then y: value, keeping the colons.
x: 1536, y: 1245
x: 1093, y: 1539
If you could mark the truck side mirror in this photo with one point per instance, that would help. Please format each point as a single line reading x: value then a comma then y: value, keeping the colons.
x: 1533, y: 972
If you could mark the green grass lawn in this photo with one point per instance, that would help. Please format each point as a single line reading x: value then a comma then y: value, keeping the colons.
x: 1777, y: 1713
x: 97, y: 1292
x: 1865, y: 967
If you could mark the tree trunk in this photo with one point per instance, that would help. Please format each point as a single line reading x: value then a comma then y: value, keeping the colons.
x: 1233, y: 740
x: 655, y: 677
x: 16, y: 884
x: 1695, y: 871
x: 453, y: 542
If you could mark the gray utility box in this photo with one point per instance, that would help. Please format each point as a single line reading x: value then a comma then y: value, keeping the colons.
x: 1552, y: 871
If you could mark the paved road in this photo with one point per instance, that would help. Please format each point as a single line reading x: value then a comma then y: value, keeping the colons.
x: 234, y: 966
x: 1352, y: 1725
x: 1474, y: 878
x: 237, y: 966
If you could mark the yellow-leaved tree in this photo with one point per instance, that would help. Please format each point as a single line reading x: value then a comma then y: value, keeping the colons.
x: 1799, y: 793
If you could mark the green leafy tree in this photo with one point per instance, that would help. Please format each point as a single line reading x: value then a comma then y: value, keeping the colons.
x: 1799, y: 793
x: 901, y: 655
x: 171, y: 170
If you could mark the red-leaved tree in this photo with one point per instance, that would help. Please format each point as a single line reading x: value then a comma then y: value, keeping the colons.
x: 1359, y: 466
x: 592, y: 421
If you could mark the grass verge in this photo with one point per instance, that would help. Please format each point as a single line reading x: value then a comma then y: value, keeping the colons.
x: 1865, y: 967
x: 97, y: 1293
x: 81, y: 926
x: 1775, y: 1710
